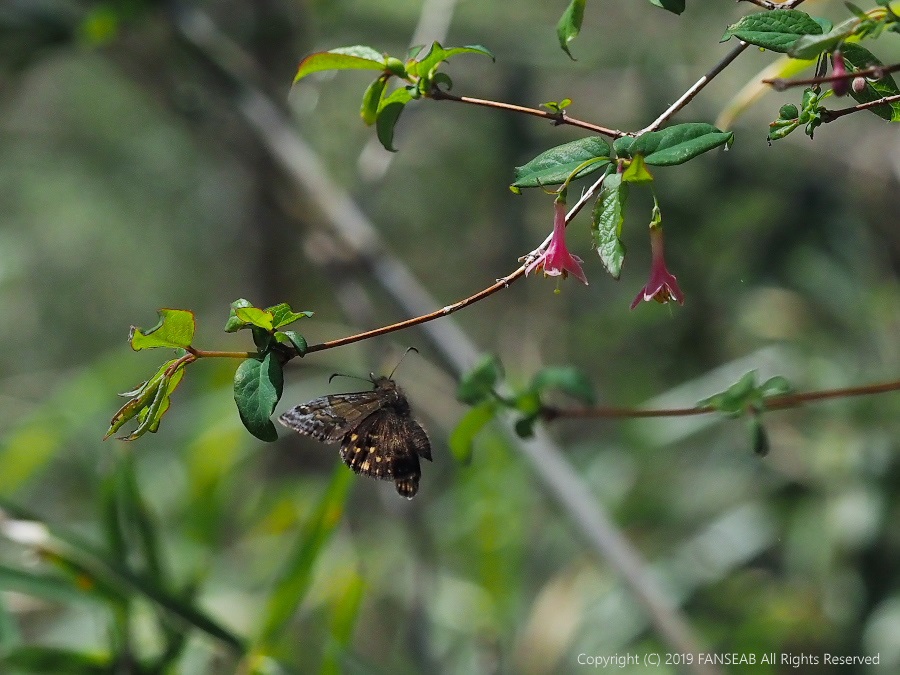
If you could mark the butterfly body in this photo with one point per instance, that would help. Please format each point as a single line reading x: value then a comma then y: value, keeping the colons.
x: 376, y: 430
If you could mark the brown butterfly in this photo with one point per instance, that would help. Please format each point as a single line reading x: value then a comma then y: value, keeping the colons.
x: 378, y: 435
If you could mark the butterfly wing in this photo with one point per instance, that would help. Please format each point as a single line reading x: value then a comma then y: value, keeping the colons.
x: 331, y: 418
x: 388, y: 445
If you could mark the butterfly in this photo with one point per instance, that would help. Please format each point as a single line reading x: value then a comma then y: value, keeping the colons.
x: 377, y: 432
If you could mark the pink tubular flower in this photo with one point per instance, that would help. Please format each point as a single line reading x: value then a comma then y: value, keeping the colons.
x: 662, y: 285
x: 556, y: 259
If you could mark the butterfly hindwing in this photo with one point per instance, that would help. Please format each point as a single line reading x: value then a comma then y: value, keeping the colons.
x: 388, y: 445
x: 379, y: 437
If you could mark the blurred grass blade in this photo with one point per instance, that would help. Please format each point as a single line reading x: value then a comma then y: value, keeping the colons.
x: 111, y: 517
x: 343, y: 621
x: 44, y: 660
x: 138, y: 515
x: 47, y: 586
x: 290, y: 589
x: 9, y: 628
x: 24, y: 528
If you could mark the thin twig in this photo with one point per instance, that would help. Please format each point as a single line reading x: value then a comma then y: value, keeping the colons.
x: 831, y: 115
x: 695, y: 89
x: 424, y: 318
x: 780, y: 84
x: 767, y: 4
x: 558, y: 118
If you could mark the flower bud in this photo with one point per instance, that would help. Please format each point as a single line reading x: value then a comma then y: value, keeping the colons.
x: 859, y: 85
x: 838, y: 69
x: 788, y: 112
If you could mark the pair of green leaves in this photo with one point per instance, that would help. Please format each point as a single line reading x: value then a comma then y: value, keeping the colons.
x: 259, y: 380
x: 478, y: 388
x: 577, y: 159
x: 797, y: 34
x: 383, y: 109
x: 747, y: 398
x: 671, y: 146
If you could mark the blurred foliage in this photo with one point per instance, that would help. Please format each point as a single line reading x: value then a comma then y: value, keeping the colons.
x: 129, y: 181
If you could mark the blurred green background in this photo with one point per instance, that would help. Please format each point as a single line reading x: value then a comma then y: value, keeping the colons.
x: 130, y: 180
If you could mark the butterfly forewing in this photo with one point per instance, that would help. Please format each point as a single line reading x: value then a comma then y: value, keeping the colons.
x: 330, y: 418
x: 378, y: 435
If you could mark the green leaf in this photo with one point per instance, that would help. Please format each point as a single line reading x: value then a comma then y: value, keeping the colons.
x: 258, y: 384
x: 860, y: 58
x: 462, y: 439
x: 676, y: 144
x: 262, y: 338
x: 737, y: 399
x: 776, y: 386
x: 776, y: 30
x: 425, y: 66
x: 151, y: 415
x: 140, y: 398
x: 388, y: 114
x: 524, y: 427
x: 282, y: 315
x: 810, y: 46
x: 371, y: 100
x: 174, y: 330
x: 254, y: 316
x: 469, y: 49
x: 759, y: 439
x: 147, y: 402
x: 297, y: 341
x: 570, y: 25
x: 557, y: 106
x: 606, y: 224
x: 358, y: 57
x: 294, y: 580
x: 637, y: 171
x: 674, y: 6
x: 567, y: 379
x: 554, y: 166
x: 234, y: 323
x: 478, y: 384
x: 42, y: 660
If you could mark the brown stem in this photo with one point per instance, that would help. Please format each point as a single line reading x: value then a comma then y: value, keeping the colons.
x: 780, y: 84
x: 558, y: 117
x: 781, y: 402
x: 204, y: 354
x: 695, y: 89
x: 831, y: 115
x: 415, y: 321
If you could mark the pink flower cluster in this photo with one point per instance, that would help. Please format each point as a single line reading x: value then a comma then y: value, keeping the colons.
x: 557, y: 261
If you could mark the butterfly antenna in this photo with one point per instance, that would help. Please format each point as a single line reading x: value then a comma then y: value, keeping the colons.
x: 408, y: 350
x: 352, y: 377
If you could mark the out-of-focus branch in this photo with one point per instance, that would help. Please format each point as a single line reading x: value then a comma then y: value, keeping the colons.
x: 276, y: 134
x: 780, y: 402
